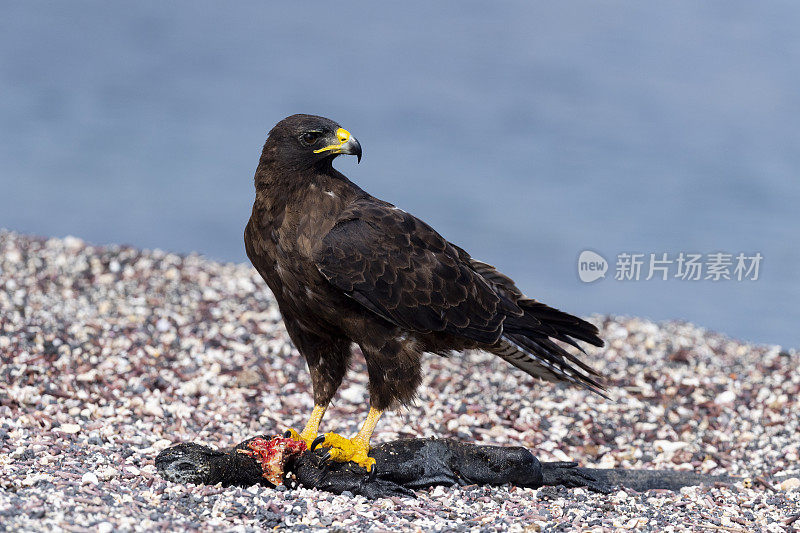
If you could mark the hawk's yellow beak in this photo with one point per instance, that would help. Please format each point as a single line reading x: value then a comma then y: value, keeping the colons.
x: 347, y: 145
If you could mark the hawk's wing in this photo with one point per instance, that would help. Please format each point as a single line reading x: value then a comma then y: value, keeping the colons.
x: 398, y: 267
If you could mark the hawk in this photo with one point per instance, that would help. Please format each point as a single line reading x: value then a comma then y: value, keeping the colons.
x: 347, y: 268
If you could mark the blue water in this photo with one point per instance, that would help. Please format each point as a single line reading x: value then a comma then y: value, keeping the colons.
x: 525, y: 132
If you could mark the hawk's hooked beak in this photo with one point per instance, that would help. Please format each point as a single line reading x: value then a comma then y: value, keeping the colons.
x: 347, y: 144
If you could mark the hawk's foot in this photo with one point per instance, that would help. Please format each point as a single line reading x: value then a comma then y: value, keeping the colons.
x: 355, y: 450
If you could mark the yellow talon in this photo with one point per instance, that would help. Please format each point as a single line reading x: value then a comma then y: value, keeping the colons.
x: 355, y: 450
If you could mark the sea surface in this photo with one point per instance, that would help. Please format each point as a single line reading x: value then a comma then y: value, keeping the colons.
x: 526, y: 132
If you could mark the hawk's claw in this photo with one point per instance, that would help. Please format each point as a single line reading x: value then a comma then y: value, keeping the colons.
x: 319, y: 440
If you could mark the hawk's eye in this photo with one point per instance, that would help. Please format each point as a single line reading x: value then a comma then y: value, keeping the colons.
x: 310, y: 137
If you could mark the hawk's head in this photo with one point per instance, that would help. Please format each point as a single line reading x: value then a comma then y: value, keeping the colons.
x: 304, y: 140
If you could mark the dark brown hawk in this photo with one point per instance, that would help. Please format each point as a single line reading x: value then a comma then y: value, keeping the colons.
x: 346, y: 267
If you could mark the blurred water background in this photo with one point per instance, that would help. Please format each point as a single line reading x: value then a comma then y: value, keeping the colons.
x: 523, y: 131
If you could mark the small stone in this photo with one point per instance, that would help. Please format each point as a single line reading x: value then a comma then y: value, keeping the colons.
x: 607, y: 461
x: 70, y: 428
x: 635, y: 523
x: 105, y: 527
x: 32, y: 479
x: 668, y: 446
x: 353, y: 394
x: 162, y: 444
x: 88, y: 376
x: 190, y: 388
x: 248, y: 378
x: 726, y: 397
x: 560, y: 455
x: 153, y: 408
x: 708, y: 465
x: 72, y: 243
x: 106, y: 472
x: 789, y: 484
x: 89, y: 478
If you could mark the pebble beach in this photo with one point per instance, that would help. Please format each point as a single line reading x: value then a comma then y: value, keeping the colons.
x: 111, y: 354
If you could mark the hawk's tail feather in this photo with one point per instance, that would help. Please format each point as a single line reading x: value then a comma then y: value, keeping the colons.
x: 554, y: 323
x: 547, y: 364
x: 535, y: 346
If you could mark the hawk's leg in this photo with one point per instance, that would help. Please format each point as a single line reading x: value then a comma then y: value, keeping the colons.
x: 394, y: 375
x: 327, y: 359
x: 309, y: 432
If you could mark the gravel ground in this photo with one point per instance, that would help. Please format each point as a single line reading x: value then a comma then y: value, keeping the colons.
x: 111, y: 354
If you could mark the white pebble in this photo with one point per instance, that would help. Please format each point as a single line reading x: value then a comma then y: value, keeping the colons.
x: 353, y: 394
x: 726, y: 397
x: 667, y: 446
x: 106, y: 472
x: 789, y: 484
x: 560, y: 455
x: 153, y: 408
x: 71, y: 242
